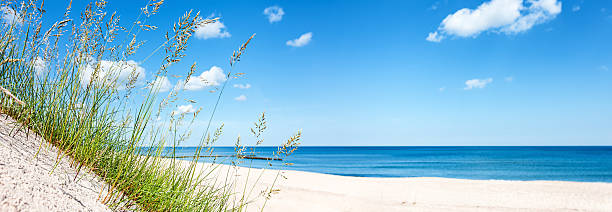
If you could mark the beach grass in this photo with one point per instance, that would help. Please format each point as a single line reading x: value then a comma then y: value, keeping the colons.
x: 68, y: 84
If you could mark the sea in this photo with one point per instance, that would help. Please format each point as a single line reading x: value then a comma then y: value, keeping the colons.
x: 560, y: 163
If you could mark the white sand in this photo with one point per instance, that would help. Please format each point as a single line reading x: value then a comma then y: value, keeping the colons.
x: 26, y: 183
x: 305, y: 191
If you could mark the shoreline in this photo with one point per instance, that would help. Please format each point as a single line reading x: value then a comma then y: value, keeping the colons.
x: 578, y: 164
x: 377, y: 177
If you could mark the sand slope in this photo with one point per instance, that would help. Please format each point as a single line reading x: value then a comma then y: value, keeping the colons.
x: 25, y: 182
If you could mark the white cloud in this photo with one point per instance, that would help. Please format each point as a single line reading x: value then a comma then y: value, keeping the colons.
x: 301, y: 41
x: 10, y: 16
x: 212, y: 30
x: 241, y: 98
x: 241, y: 86
x: 509, y: 79
x: 477, y: 83
x: 162, y: 82
x: 442, y: 89
x: 507, y: 16
x: 212, y: 77
x: 183, y: 109
x: 434, y: 37
x: 576, y: 8
x: 604, y: 67
x: 539, y: 12
x: 40, y: 66
x: 118, y: 72
x: 274, y: 13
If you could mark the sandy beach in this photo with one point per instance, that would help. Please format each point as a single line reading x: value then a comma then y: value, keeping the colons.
x: 27, y: 185
x: 305, y: 191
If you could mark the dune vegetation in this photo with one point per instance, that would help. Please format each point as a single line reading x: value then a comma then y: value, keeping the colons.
x: 63, y: 82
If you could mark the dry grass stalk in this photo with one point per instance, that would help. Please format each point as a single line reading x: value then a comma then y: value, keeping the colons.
x: 8, y: 93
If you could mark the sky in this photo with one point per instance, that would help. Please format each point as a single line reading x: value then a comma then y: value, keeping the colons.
x: 404, y: 73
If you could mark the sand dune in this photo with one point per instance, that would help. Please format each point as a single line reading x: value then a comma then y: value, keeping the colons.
x: 26, y: 183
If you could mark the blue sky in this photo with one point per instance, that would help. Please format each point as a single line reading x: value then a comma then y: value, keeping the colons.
x: 477, y: 72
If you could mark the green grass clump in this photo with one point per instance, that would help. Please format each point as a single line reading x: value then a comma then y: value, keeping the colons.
x: 69, y: 78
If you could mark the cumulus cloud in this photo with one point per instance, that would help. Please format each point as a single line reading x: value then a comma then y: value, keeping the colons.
x: 241, y: 98
x: 117, y: 72
x: 211, y: 77
x: 509, y: 79
x: 183, y: 109
x: 162, y: 82
x: 576, y: 8
x: 301, y: 41
x: 442, y: 89
x: 477, y: 83
x: 241, y: 86
x: 40, y: 66
x: 274, y: 13
x: 10, y: 16
x: 505, y: 16
x: 212, y: 30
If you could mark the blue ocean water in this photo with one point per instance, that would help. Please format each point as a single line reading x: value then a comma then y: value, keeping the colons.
x: 584, y: 163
